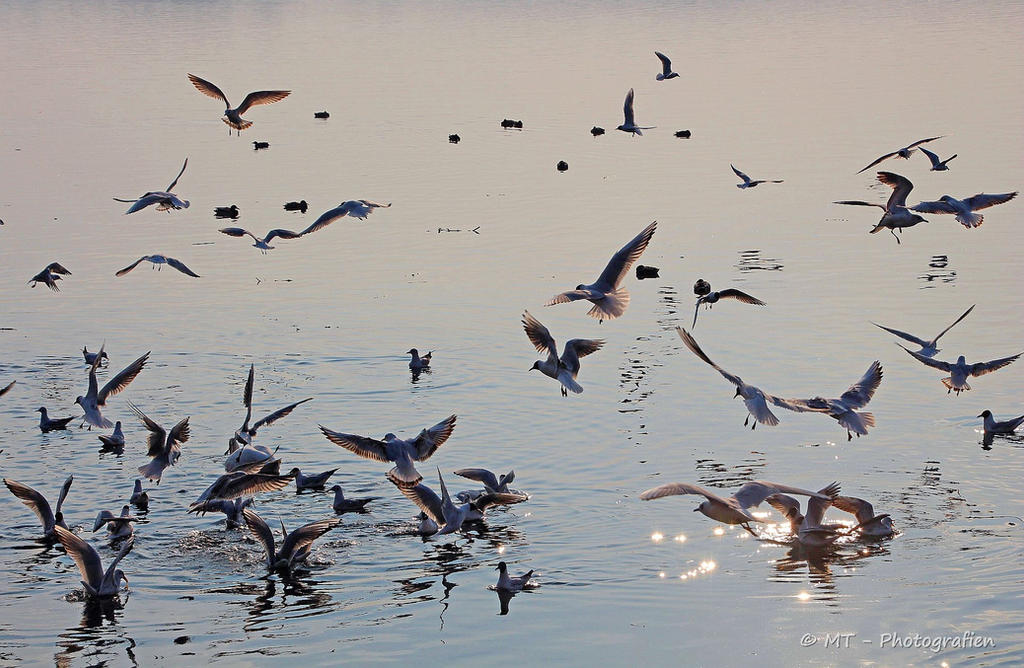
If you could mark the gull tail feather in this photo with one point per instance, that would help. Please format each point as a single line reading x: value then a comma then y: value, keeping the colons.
x: 611, y: 306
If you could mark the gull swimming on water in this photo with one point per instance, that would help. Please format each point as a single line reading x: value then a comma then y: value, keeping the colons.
x: 139, y: 498
x: 95, y: 397
x: 901, y: 153
x: 928, y: 348
x: 843, y: 408
x: 606, y: 294
x: 443, y: 512
x: 91, y: 357
x: 418, y: 363
x: 46, y: 424
x: 754, y: 398
x: 264, y: 243
x: 360, y: 208
x: 964, y: 209
x: 243, y: 435
x: 164, y: 446
x: 564, y: 369
x: 491, y: 482
x: 295, y: 546
x: 231, y: 509
x: 808, y: 527
x: 114, y: 441
x: 165, y: 200
x: 868, y: 524
x: 50, y: 275
x: 734, y: 509
x: 158, y: 261
x: 709, y: 298
x: 509, y: 583
x: 747, y: 183
x: 627, y: 111
x: 394, y: 449
x: 117, y: 526
x: 343, y: 505
x: 98, y: 583
x: 994, y: 427
x: 233, y: 117
x: 37, y: 503
x: 960, y: 371
x: 666, y: 70
x: 897, y: 215
x: 937, y: 165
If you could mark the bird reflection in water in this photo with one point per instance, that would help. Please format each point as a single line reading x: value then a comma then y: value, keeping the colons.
x: 938, y: 272
x: 1015, y: 439
x: 751, y: 260
x: 820, y: 562
x: 92, y: 638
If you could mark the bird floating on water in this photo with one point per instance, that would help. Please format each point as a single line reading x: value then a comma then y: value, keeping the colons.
x: 233, y: 117
x: 992, y: 426
x: 114, y: 441
x: 349, y: 505
x: 91, y: 357
x: 418, y: 363
x: 46, y: 424
x: 226, y: 211
x: 509, y: 583
x: 296, y: 206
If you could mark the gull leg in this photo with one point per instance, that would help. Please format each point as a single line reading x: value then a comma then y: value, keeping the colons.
x: 893, y: 233
x: 746, y: 526
x: 746, y: 420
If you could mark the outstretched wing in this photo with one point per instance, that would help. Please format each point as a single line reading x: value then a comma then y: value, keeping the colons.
x: 429, y: 440
x: 677, y: 488
x: 746, y: 179
x: 480, y: 475
x: 121, y: 380
x: 259, y: 529
x: 124, y: 271
x: 933, y: 207
x: 276, y: 415
x: 860, y: 393
x: 937, y: 364
x: 83, y: 554
x: 539, y: 335
x: 733, y: 293
x: 326, y: 218
x: 157, y: 434
x: 931, y: 156
x: 179, y: 433
x: 425, y: 499
x: 7, y: 388
x: 966, y: 313
x: 300, y: 539
x: 983, y: 201
x: 180, y: 266
x: 170, y: 188
x: 58, y: 268
x: 370, y: 448
x: 691, y: 343
x: 922, y: 141
x: 620, y: 263
x: 981, y: 368
x: 284, y: 234
x: 753, y: 493
x: 237, y: 232
x: 34, y: 500
x: 854, y: 202
x: 666, y: 64
x: 901, y: 187
x: 627, y: 109
x: 568, y: 296
x: 262, y: 97
x: 884, y: 157
x: 207, y: 88
x: 905, y: 335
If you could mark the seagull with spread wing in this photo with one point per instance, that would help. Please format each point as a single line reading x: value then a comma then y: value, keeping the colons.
x: 295, y: 546
x: 937, y: 164
x: 808, y: 528
x: 709, y: 298
x: 897, y: 215
x: 747, y: 182
x: 394, y: 449
x: 50, y: 275
x: 243, y: 435
x: 445, y: 514
x: 607, y: 295
x: 164, y: 446
x: 901, y: 153
x: 844, y: 408
x: 964, y: 209
x: 960, y: 370
x: 165, y: 200
x: 233, y: 117
x: 358, y: 208
x: 158, y: 262
x: 95, y: 397
x: 564, y: 369
x: 928, y: 348
x: 666, y: 67
x: 98, y: 583
x: 38, y: 504
x: 264, y: 243
x: 628, y: 124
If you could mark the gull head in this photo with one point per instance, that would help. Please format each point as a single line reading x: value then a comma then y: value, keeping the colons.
x: 294, y: 472
x: 961, y: 361
x: 79, y: 400
x: 986, y: 414
x: 502, y: 566
x: 390, y: 437
x: 738, y: 393
x: 536, y: 365
x: 580, y: 286
x: 43, y: 410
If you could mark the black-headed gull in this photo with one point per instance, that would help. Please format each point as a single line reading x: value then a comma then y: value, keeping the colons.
x: 295, y: 546
x: 311, y: 481
x: 993, y: 426
x: 928, y: 348
x: 709, y: 298
x: 47, y: 424
x: 243, y: 435
x: 233, y: 117
x: 964, y: 209
x: 418, y: 363
x: 564, y: 369
x: 264, y: 243
x: 50, y: 275
x: 748, y: 183
x: 809, y: 528
x: 165, y: 200
x: 238, y: 484
x: 868, y: 524
x: 628, y: 125
x: 666, y: 67
x: 38, y: 504
x: 446, y: 515
x: 164, y: 446
x: 359, y: 208
x: 114, y: 440
x: 349, y: 505
x: 960, y: 370
x: 96, y: 397
x: 901, y: 153
x: 98, y: 583
x: 158, y: 261
x: 843, y: 409
x: 937, y: 165
x: 508, y: 583
x: 897, y: 215
x: 118, y: 526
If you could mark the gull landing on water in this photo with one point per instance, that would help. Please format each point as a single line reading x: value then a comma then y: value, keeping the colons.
x: 165, y: 200
x: 747, y: 183
x: 609, y: 299
x: 564, y: 369
x: 843, y: 408
x: 359, y: 208
x: 628, y: 125
x: 50, y: 275
x: 928, y: 348
x: 808, y: 528
x: 98, y: 583
x: 95, y: 397
x: 38, y: 504
x: 264, y: 243
x: 964, y: 209
x: 709, y: 298
x: 233, y: 117
x: 443, y: 513
x: 295, y: 546
x: 902, y: 153
x: 897, y: 215
x: 164, y: 446
x: 666, y: 67
x: 868, y: 524
x: 243, y: 435
x: 158, y: 261
x: 960, y: 371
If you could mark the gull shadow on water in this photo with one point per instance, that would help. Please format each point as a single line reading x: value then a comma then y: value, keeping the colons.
x: 1014, y: 440
x: 713, y: 473
x: 938, y: 273
x: 819, y: 562
x: 752, y: 260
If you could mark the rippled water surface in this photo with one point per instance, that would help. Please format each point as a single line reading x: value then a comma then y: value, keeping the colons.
x: 96, y: 105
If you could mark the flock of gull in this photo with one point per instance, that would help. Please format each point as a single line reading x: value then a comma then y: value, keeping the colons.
x: 251, y: 469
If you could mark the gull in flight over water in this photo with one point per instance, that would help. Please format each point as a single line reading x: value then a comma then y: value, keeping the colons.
x: 37, y: 503
x: 394, y: 449
x: 733, y: 509
x: 264, y: 243
x: 238, y: 484
x: 158, y: 261
x: 91, y: 357
x: 359, y: 208
x: 95, y: 397
x: 964, y: 209
x: 901, y: 153
x: 243, y: 435
x: 50, y: 275
x: 928, y: 348
x: 492, y: 483
x: 118, y: 527
x: 295, y: 546
x: 937, y: 165
x: 164, y: 446
x: 754, y: 398
x: 808, y: 527
x: 627, y: 111
x: 233, y: 117
x: 607, y: 295
x: 564, y: 369
x: 98, y: 583
x: 960, y: 371
x: 844, y: 408
x: 165, y: 200
x: 231, y: 509
x: 709, y: 297
x: 666, y: 67
x: 868, y: 524
x: 897, y: 215
x: 747, y: 183
x: 446, y: 516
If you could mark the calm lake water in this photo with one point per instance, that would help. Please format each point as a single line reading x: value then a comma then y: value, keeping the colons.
x: 97, y: 104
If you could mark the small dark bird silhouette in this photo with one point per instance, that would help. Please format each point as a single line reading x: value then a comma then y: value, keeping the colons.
x: 643, y: 271
x: 596, y: 131
x: 683, y: 134
x: 562, y: 166
x: 257, y: 145
x: 226, y: 211
x: 296, y: 206
x: 454, y: 139
x: 321, y: 114
x: 509, y: 123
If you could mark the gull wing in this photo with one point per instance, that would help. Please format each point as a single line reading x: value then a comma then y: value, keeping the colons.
x: 966, y: 313
x: 733, y: 293
x: 784, y: 503
x: 565, y: 297
x: 144, y: 201
x: 937, y: 364
x: 666, y: 64
x: 303, y: 537
x: 678, y: 488
x: 247, y: 392
x: 815, y: 405
x: 250, y: 484
x: 627, y: 109
x: 859, y: 508
x: 485, y: 501
x: 854, y: 202
x: 753, y: 493
x: 620, y: 263
x: 57, y: 268
x: 429, y: 440
x: 64, y: 489
x: 908, y: 337
x: 237, y: 232
x: 922, y: 141
x: 326, y: 218
x: 170, y: 188
x: 425, y: 499
x: 370, y: 448
x: 259, y: 529
x: 35, y: 501
x: 539, y: 335
x: 884, y: 157
x: 7, y: 389
x: 84, y: 555
x: 817, y: 506
x: 691, y: 343
x: 746, y: 179
x: 276, y: 415
x: 121, y: 380
x: 283, y: 234
x: 179, y: 433
x: 860, y: 393
x: 157, y: 434
x: 931, y: 156
x: 901, y: 187
x: 124, y: 271
x: 983, y: 201
x: 933, y: 207
x: 480, y: 475
x: 211, y: 506
x: 261, y: 97
x: 180, y: 266
x: 577, y: 348
x: 982, y: 368
x: 207, y: 88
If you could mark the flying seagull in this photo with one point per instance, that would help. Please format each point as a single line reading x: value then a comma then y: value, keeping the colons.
x: 844, y: 408
x: 868, y: 524
x: 928, y: 348
x: 960, y: 371
x: 809, y: 530
x: 627, y: 111
x: 50, y: 275
x: 964, y: 209
x: 95, y: 397
x: 164, y: 446
x: 901, y: 153
x: 666, y: 67
x: 710, y: 298
x: 243, y: 435
x: 359, y: 208
x: 897, y: 215
x: 295, y: 546
x: 165, y: 200
x: 158, y: 261
x: 937, y: 165
x: 747, y: 183
x: 37, y: 503
x: 264, y: 243
x: 233, y: 117
x: 606, y: 294
x: 564, y: 369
